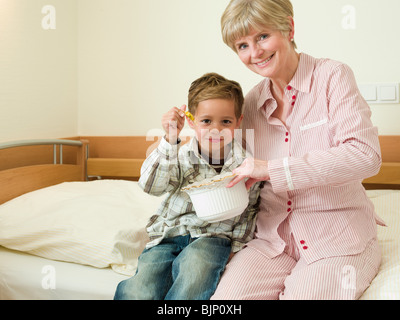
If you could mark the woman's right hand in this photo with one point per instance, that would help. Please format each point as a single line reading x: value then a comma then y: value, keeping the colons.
x: 253, y: 169
x: 173, y: 122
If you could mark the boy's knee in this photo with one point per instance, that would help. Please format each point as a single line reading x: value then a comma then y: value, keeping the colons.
x: 124, y: 293
x: 205, y: 256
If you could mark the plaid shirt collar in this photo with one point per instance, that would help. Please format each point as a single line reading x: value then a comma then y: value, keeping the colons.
x: 235, y: 157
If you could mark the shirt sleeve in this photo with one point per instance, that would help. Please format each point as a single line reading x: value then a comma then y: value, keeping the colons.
x: 354, y: 152
x: 243, y: 231
x: 160, y: 172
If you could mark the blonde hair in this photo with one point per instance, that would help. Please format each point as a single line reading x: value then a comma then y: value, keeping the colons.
x: 241, y: 15
x: 215, y: 86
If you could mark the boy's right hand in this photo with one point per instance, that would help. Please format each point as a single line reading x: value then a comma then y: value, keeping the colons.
x: 173, y: 122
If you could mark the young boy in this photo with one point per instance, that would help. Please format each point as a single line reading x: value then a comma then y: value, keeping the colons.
x: 186, y: 255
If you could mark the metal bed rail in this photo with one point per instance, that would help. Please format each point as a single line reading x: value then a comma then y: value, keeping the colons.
x: 36, y: 142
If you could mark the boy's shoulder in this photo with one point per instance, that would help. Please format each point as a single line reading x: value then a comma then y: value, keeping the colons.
x: 190, y: 145
x: 242, y: 148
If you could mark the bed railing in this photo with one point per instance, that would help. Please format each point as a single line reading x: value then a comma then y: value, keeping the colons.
x: 54, y: 142
x: 27, y: 176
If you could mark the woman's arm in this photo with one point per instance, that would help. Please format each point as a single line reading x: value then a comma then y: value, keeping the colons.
x: 355, y: 154
x: 355, y: 151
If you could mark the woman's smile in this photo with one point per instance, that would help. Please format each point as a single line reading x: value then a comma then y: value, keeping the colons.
x: 265, y: 62
x: 268, y: 53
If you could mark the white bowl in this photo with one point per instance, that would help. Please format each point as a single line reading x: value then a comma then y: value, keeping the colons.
x: 213, y: 202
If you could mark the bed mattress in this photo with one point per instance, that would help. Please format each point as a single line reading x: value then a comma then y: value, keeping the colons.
x: 25, y: 276
x: 28, y: 277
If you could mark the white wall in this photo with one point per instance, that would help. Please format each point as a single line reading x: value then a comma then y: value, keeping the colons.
x: 112, y: 67
x: 38, y: 70
x: 372, y: 49
x: 138, y: 58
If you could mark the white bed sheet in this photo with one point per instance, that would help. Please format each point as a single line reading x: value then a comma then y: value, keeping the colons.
x: 24, y: 276
x: 28, y: 277
x: 386, y: 285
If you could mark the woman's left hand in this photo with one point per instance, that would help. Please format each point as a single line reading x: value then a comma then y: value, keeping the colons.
x: 254, y: 169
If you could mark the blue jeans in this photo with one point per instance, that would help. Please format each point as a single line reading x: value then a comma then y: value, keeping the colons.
x: 179, y: 268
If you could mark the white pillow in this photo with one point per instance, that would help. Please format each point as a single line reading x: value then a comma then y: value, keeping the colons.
x: 99, y: 223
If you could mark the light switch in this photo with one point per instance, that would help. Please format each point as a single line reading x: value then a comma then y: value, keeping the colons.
x: 376, y: 93
x: 368, y: 91
x: 387, y: 92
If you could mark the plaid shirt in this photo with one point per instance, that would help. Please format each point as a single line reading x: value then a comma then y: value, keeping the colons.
x: 172, y: 167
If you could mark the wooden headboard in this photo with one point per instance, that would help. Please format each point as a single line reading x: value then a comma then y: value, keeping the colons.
x: 30, y: 165
x: 34, y: 164
x: 122, y: 157
x: 389, y: 175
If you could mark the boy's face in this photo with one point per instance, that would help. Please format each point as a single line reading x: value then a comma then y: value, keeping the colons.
x: 215, y: 122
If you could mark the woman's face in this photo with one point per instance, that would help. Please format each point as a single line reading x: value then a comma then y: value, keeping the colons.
x: 267, y: 53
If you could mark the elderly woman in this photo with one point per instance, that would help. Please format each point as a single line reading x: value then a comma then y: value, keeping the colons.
x: 314, y: 143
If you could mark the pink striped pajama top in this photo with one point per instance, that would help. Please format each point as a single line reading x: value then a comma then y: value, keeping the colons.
x: 317, y: 161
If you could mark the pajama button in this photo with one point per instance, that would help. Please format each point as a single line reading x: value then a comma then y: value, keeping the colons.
x: 303, y: 242
x: 286, y: 140
x: 289, y: 88
x: 289, y: 203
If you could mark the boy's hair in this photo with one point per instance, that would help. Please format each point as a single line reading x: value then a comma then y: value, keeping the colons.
x: 215, y: 86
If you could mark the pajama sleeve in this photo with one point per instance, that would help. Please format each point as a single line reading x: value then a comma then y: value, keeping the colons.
x: 354, y: 151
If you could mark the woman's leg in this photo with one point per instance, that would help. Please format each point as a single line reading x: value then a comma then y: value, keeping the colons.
x: 335, y: 278
x: 197, y: 269
x: 251, y: 275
